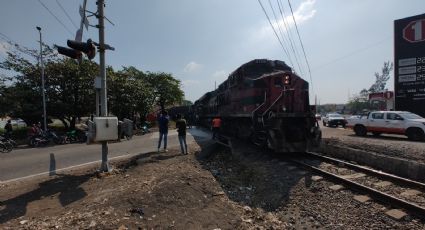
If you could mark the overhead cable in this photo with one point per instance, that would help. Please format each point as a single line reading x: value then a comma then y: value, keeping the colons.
x: 57, y: 19
x: 301, y: 42
x: 289, y: 32
x: 283, y: 34
x: 67, y: 15
x: 277, y: 36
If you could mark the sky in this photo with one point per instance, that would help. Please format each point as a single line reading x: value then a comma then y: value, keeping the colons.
x: 202, y: 42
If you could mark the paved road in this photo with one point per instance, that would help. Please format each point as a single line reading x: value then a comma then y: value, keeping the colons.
x: 31, y: 161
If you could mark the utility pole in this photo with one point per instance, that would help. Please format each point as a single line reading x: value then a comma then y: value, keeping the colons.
x: 42, y: 82
x: 103, y: 99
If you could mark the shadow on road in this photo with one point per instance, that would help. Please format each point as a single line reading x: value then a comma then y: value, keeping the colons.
x: 52, y: 167
x: 67, y: 186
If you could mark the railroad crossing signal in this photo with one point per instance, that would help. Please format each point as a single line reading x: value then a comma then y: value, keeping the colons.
x: 415, y: 31
x: 77, y: 48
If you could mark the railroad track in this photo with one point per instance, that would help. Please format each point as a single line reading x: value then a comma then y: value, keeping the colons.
x: 390, y: 189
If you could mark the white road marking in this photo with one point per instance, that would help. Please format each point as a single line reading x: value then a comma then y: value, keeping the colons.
x: 62, y: 169
x: 153, y: 136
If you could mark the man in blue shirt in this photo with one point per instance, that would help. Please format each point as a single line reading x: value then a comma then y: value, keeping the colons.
x: 163, y: 120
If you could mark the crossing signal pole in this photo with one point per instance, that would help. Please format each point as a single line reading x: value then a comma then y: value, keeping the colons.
x: 43, y: 91
x: 103, y: 91
x: 89, y: 48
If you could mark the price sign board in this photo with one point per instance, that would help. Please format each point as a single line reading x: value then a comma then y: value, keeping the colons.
x: 409, y: 63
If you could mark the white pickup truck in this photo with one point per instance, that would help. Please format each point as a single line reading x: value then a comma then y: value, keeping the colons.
x: 391, y: 122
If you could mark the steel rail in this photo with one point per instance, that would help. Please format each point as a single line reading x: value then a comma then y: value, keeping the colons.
x: 386, y: 198
x: 376, y: 173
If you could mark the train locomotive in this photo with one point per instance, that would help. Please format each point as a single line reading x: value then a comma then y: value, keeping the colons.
x: 266, y: 102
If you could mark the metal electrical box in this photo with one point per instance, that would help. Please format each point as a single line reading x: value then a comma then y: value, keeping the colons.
x: 106, y: 128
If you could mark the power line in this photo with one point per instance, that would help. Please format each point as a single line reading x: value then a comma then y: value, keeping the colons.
x: 5, y: 36
x: 289, y: 32
x: 280, y: 30
x: 277, y: 36
x: 57, y: 19
x: 67, y: 15
x: 301, y: 42
x: 16, y: 45
x: 352, y: 53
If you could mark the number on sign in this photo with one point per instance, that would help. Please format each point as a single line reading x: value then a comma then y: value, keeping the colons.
x: 417, y: 27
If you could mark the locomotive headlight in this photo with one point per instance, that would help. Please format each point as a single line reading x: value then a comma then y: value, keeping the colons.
x: 287, y: 79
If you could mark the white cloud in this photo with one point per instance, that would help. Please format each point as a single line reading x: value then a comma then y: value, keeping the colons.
x: 302, y: 14
x: 263, y: 33
x: 4, y: 47
x: 220, y: 75
x: 305, y: 11
x: 192, y: 67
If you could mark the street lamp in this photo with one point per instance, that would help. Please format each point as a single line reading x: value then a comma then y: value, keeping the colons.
x: 42, y: 82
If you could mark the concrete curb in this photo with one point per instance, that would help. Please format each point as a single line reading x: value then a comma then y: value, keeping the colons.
x: 397, y: 166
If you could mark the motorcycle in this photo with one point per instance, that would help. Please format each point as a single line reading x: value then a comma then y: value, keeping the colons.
x: 8, y: 140
x: 143, y: 128
x: 52, y: 136
x: 5, y: 145
x: 74, y: 136
x: 38, y: 140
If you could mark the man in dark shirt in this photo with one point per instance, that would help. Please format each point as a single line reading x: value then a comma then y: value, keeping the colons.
x: 163, y: 129
x: 181, y: 130
x: 8, y: 128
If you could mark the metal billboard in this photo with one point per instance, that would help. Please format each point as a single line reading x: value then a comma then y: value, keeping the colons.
x: 409, y: 62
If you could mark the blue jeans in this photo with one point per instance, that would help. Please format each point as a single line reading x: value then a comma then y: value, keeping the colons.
x: 182, y: 140
x: 162, y: 134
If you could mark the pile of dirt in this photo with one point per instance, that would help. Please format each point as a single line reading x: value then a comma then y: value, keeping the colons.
x: 152, y: 190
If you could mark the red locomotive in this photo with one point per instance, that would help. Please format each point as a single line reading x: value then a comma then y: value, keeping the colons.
x: 264, y: 100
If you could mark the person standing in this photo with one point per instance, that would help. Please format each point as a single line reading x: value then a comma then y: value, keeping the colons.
x: 181, y: 130
x: 163, y: 129
x: 216, y: 124
x: 8, y: 128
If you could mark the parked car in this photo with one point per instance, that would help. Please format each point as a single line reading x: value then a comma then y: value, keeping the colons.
x: 18, y: 123
x: 391, y: 122
x: 334, y: 120
x: 318, y: 117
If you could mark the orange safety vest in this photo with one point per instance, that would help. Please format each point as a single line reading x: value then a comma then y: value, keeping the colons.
x: 216, y: 122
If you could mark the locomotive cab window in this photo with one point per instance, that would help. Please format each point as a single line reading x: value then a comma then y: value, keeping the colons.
x: 278, y: 82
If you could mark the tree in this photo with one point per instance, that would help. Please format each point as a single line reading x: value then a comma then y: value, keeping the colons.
x: 187, y: 103
x: 130, y: 93
x: 68, y: 86
x: 70, y: 89
x: 381, y: 79
x: 5, y: 104
x: 166, y: 89
x: 360, y: 102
